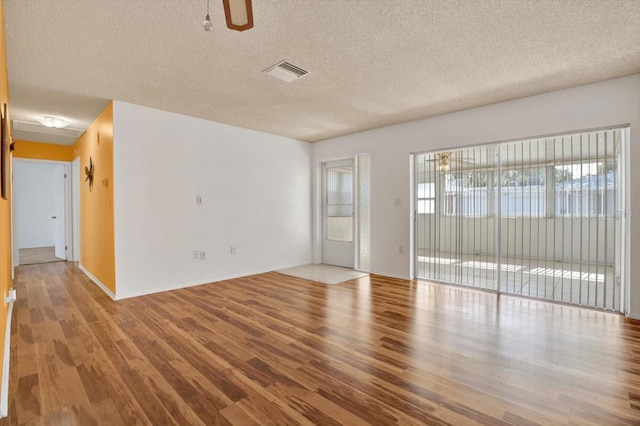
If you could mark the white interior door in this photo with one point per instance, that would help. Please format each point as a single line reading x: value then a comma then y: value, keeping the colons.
x: 338, y: 220
x: 59, y: 214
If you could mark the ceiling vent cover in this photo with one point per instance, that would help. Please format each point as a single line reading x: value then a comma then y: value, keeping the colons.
x: 286, y: 71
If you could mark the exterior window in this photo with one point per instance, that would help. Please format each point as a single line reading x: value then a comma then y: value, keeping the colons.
x: 523, y: 192
x: 427, y: 198
x: 586, y: 189
x: 467, y: 194
x: 579, y: 189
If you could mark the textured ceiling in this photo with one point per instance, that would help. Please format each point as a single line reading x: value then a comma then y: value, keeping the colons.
x: 372, y: 63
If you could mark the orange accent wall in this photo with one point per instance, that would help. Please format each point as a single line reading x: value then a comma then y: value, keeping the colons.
x: 97, y: 245
x: 43, y: 151
x: 5, y: 205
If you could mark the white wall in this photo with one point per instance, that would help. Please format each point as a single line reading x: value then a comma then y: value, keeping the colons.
x: 255, y: 189
x: 35, y: 192
x: 597, y: 105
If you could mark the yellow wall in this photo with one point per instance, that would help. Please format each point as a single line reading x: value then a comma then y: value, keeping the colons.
x: 5, y: 205
x: 97, y: 252
x: 43, y: 151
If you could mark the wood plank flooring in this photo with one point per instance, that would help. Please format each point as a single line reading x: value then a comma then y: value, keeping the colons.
x: 276, y: 350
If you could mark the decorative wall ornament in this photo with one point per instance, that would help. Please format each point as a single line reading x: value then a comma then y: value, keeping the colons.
x: 89, y: 172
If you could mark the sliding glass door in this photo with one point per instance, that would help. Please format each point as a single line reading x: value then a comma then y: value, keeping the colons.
x: 455, y: 234
x: 539, y: 218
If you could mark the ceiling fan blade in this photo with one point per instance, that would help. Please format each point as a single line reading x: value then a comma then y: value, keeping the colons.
x: 239, y: 14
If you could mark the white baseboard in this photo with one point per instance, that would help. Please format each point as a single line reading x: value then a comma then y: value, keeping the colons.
x: 633, y: 316
x: 388, y: 274
x: 129, y: 294
x: 97, y: 282
x: 4, y: 390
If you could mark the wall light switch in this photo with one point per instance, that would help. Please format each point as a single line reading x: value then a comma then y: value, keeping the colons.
x: 199, y: 200
x: 397, y: 202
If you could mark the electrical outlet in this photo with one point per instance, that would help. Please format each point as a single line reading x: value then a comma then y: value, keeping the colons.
x: 196, y: 254
x: 198, y: 200
x: 202, y: 255
x: 232, y: 250
x: 11, y: 297
x: 401, y: 249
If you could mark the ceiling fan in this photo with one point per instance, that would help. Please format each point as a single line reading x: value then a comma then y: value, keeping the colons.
x: 238, y: 13
x: 446, y: 159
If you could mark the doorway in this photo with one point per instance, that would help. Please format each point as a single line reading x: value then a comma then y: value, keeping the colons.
x: 41, y: 214
x: 346, y: 213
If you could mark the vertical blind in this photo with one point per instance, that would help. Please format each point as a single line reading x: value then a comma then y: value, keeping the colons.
x: 538, y: 218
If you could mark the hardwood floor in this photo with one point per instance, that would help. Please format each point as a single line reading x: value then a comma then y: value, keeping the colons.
x: 271, y: 349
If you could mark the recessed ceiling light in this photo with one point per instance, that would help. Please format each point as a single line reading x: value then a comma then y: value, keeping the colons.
x: 56, y: 122
x: 26, y: 126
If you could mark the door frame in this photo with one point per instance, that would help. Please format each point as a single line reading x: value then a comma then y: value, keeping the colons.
x: 74, y: 248
x: 68, y: 216
x: 317, y: 208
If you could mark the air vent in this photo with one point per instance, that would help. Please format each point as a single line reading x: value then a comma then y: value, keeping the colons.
x: 286, y: 71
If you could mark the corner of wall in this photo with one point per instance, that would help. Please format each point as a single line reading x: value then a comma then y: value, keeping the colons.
x: 95, y: 148
x: 633, y: 316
